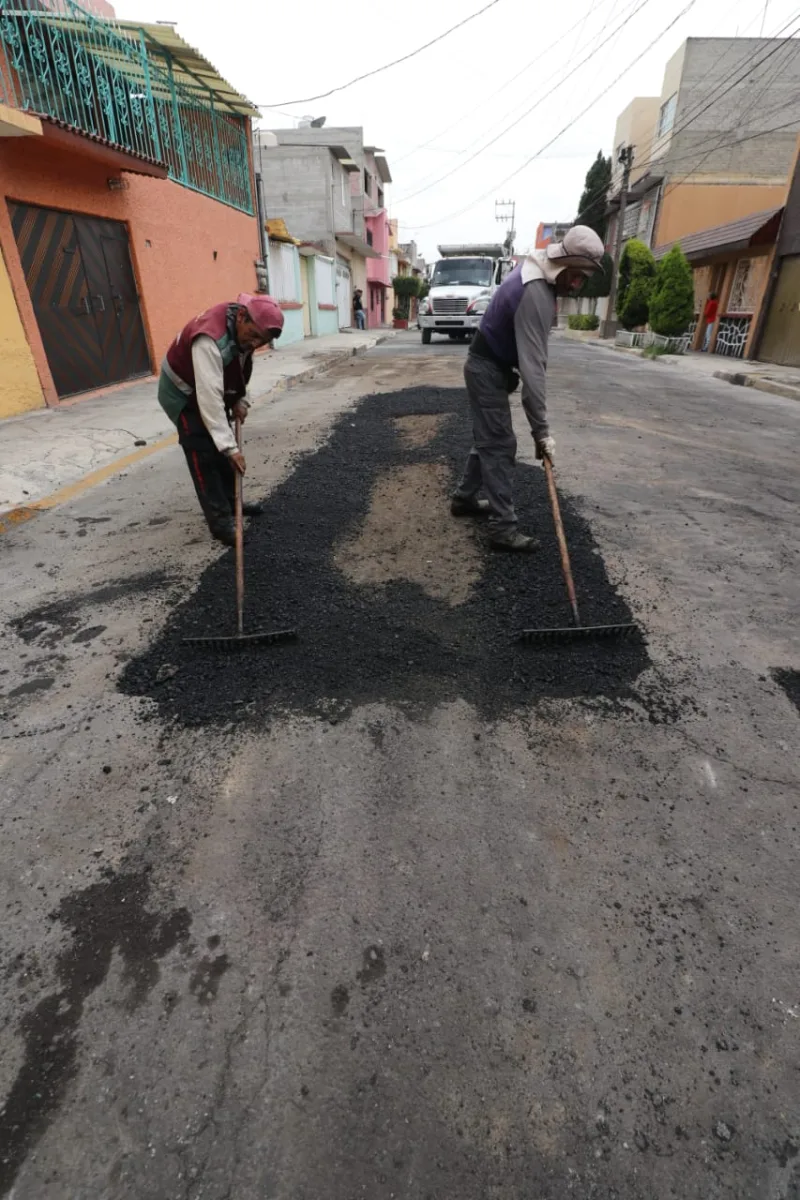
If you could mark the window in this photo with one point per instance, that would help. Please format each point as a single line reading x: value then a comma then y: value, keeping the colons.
x: 747, y: 282
x: 282, y: 275
x: 344, y: 187
x: 369, y: 237
x: 323, y: 279
x: 630, y: 226
x: 367, y: 183
x: 666, y: 116
x: 380, y: 198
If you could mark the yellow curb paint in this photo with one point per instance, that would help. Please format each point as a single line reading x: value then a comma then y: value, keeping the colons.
x: 24, y: 512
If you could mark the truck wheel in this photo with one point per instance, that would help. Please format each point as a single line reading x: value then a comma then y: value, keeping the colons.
x: 426, y: 337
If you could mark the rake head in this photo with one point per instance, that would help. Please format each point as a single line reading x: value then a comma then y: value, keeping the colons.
x: 576, y: 633
x: 242, y: 641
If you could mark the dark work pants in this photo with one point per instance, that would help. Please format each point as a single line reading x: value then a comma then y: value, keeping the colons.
x: 490, y: 465
x: 212, y: 474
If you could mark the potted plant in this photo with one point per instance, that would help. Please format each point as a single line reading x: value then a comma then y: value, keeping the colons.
x: 400, y: 318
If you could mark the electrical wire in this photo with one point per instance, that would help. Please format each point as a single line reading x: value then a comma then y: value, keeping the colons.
x: 569, y: 124
x: 703, y: 105
x: 485, y: 99
x: 386, y: 66
x: 563, y: 79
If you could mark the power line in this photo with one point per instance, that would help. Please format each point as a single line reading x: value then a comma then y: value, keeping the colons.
x: 426, y: 187
x: 394, y: 63
x: 484, y: 100
x: 702, y: 106
x: 561, y: 132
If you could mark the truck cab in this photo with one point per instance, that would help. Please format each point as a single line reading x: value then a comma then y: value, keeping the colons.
x: 462, y: 283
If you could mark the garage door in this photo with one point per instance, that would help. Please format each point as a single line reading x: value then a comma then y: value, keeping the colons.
x: 781, y: 340
x: 80, y: 278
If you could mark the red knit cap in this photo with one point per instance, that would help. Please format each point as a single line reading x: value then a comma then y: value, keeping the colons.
x: 265, y: 313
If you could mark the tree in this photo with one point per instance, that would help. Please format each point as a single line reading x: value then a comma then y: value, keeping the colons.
x: 405, y: 286
x: 637, y: 271
x: 672, y: 298
x: 592, y: 208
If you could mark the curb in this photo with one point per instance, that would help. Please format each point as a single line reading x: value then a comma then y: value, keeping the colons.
x: 739, y: 379
x: 12, y: 518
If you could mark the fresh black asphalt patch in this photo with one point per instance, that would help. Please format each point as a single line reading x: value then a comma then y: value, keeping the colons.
x: 391, y: 642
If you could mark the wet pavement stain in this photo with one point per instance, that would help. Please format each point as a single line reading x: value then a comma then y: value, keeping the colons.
x: 790, y: 682
x: 374, y: 967
x: 204, y: 982
x: 107, y: 916
x: 89, y: 634
x: 49, y: 624
x: 340, y: 998
x: 33, y: 685
x: 389, y: 640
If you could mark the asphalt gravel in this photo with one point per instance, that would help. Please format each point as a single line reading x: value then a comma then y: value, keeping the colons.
x: 391, y: 642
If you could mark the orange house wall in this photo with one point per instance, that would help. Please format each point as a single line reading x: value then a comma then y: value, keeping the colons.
x: 690, y: 208
x: 177, y: 274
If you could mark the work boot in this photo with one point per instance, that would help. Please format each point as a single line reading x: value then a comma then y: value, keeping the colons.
x: 469, y: 506
x: 254, y: 509
x: 513, y: 541
x: 225, y: 533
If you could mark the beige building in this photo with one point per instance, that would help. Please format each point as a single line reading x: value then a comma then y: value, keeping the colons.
x: 721, y: 139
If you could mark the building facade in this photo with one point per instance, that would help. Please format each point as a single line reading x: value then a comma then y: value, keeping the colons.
x: 777, y: 337
x: 329, y: 188
x: 716, y: 146
x: 127, y: 197
x: 550, y: 231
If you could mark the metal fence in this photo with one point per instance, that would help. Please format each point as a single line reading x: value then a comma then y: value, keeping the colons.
x: 101, y: 78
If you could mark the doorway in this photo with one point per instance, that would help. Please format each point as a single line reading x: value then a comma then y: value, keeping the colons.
x: 80, y: 277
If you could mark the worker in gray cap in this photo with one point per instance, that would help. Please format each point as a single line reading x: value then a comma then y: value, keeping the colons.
x: 512, y: 342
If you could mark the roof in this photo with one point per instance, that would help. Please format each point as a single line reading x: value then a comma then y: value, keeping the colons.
x: 277, y: 231
x: 112, y: 153
x: 759, y: 229
x: 380, y: 162
x: 191, y: 69
x: 356, y: 243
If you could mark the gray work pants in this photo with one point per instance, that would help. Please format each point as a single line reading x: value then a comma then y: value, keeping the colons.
x: 494, y: 445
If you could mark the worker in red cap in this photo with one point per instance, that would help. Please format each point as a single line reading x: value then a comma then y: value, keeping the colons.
x: 203, y: 387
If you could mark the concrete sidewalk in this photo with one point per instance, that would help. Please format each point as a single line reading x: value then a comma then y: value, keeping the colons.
x: 765, y: 377
x: 51, y: 451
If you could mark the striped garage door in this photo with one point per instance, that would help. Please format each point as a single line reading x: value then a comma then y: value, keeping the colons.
x: 79, y: 275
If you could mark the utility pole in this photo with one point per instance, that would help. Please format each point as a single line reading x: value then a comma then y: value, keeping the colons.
x: 626, y: 158
x: 507, y: 218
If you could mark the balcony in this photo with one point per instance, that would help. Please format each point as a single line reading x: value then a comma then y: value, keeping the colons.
x: 137, y: 89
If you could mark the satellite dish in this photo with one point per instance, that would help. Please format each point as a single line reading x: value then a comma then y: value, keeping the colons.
x: 318, y: 122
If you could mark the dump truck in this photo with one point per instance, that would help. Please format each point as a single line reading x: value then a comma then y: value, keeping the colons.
x: 462, y: 283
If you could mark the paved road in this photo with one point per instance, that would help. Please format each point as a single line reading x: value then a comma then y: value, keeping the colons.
x: 396, y: 913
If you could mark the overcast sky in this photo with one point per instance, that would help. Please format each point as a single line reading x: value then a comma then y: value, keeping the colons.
x: 449, y: 95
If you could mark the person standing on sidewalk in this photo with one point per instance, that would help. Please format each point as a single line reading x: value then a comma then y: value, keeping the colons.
x: 202, y: 389
x: 358, y: 309
x: 709, y: 317
x: 512, y: 342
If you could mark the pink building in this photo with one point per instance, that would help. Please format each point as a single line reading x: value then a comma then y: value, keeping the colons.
x: 376, y: 223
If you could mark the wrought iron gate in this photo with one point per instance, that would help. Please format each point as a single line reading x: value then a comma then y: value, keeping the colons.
x: 79, y: 274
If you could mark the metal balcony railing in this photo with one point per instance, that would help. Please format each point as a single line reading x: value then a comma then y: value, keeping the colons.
x: 102, y: 79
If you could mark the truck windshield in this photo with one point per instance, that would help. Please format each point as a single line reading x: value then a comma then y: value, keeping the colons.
x: 462, y: 272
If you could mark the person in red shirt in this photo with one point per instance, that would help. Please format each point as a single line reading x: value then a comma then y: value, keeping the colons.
x: 709, y: 317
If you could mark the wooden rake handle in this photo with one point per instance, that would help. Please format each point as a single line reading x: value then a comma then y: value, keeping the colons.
x: 562, y: 541
x: 239, y: 536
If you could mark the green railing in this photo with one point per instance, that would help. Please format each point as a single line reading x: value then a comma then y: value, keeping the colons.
x: 103, y: 79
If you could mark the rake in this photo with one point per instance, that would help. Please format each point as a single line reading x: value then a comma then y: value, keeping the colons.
x: 241, y: 640
x: 576, y: 632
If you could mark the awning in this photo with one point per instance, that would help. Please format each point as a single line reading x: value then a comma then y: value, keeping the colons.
x: 759, y: 229
x: 358, y: 244
x: 191, y: 69
x: 277, y: 231
x: 380, y: 162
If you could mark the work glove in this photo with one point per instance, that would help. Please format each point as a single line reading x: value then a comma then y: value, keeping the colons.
x: 546, y: 447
